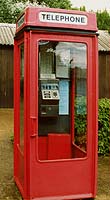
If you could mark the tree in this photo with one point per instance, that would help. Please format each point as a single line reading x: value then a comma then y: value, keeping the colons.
x: 64, y: 4
x: 10, y: 9
x: 83, y: 8
x: 103, y: 20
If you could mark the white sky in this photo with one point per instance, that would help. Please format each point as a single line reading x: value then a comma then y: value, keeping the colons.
x: 92, y: 4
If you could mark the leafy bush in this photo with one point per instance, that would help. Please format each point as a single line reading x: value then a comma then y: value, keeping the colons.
x: 104, y: 126
x: 80, y: 121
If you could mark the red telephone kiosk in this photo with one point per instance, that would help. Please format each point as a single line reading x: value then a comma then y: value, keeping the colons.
x: 55, y: 104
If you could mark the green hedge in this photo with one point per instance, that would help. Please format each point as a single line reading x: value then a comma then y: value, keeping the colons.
x: 80, y: 122
x: 103, y: 124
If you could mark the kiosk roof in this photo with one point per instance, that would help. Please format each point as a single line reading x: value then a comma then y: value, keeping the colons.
x: 57, y: 18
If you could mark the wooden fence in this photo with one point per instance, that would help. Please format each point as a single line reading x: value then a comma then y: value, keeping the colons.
x: 6, y: 76
x: 104, y: 74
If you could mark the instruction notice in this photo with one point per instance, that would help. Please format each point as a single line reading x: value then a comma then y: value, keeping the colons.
x: 64, y: 97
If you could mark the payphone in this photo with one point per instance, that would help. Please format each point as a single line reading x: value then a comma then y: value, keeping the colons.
x: 48, y: 84
x: 49, y: 98
x: 55, y: 104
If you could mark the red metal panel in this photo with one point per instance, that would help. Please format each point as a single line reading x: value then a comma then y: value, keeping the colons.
x: 43, y: 148
x: 56, y: 178
x: 59, y: 146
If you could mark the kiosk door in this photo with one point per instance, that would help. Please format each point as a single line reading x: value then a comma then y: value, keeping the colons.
x: 62, y: 99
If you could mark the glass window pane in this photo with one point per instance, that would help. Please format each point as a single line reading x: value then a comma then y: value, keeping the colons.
x: 80, y: 102
x: 62, y: 99
x: 22, y: 96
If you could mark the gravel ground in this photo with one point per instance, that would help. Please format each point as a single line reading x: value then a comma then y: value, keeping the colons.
x: 103, y: 192
x: 8, y: 189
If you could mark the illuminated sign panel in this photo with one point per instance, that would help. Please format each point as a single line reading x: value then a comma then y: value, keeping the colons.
x: 20, y: 21
x: 63, y: 18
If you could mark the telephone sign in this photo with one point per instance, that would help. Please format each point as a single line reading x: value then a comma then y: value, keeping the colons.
x: 63, y: 18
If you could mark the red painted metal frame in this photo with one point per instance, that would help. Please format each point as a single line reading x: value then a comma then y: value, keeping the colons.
x: 31, y: 18
x: 21, y: 161
x: 53, y: 179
